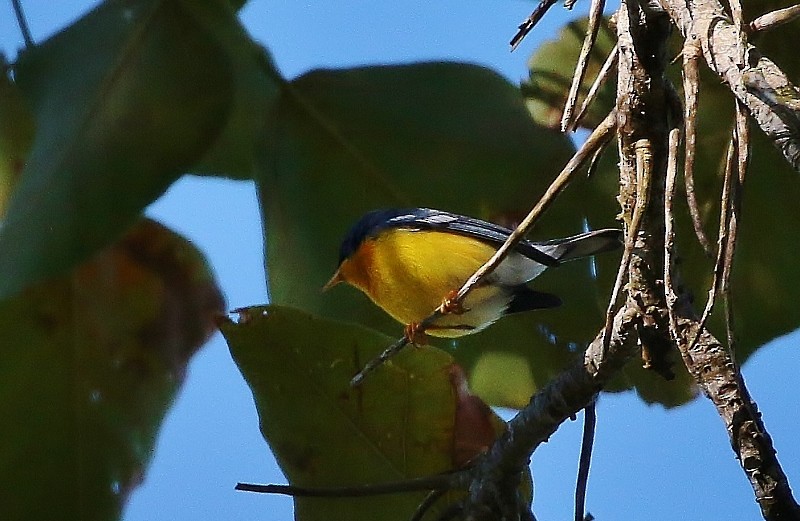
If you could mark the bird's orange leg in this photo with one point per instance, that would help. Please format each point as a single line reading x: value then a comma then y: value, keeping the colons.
x: 451, y: 305
x: 415, y: 334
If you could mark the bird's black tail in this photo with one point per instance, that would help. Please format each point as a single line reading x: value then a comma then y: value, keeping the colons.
x: 526, y: 299
x: 582, y: 245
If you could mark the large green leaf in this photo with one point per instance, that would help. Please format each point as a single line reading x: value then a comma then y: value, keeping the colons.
x: 409, y: 419
x: 125, y: 100
x: 90, y: 363
x: 256, y: 82
x: 444, y: 135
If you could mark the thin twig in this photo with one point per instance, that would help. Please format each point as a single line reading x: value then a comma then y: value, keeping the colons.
x: 23, y: 23
x: 587, y: 441
x: 602, y: 76
x: 422, y: 509
x: 643, y: 178
x: 742, y: 140
x: 738, y: 22
x: 774, y: 19
x: 669, y: 232
x: 594, y: 162
x: 722, y: 239
x: 437, y: 482
x: 528, y: 24
x: 595, y: 16
x: 373, y: 364
x: 598, y: 138
x: 691, y: 86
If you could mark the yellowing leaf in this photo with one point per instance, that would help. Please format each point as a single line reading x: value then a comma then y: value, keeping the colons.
x: 91, y: 362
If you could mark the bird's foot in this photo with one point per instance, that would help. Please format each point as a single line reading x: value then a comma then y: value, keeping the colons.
x: 416, y: 334
x: 451, y: 306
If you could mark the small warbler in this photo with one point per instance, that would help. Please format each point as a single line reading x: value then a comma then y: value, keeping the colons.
x: 409, y: 261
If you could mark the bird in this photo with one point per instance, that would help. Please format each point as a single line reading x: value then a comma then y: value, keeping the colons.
x: 409, y: 261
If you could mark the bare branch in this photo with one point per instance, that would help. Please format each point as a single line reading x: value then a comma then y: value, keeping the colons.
x: 643, y: 104
x: 762, y: 87
x: 774, y: 19
x: 643, y: 176
x: 499, y: 470
x: 669, y: 233
x: 691, y: 87
x: 595, y: 16
x: 738, y: 22
x: 530, y: 22
x: 722, y: 236
x: 602, y: 76
x: 741, y: 138
x: 718, y: 375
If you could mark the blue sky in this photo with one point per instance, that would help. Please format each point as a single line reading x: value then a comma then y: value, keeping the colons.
x: 649, y: 463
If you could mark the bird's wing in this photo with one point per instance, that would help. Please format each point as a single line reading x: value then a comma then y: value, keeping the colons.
x: 429, y: 219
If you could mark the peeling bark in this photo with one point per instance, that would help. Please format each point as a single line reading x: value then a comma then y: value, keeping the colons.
x: 642, y: 130
x: 762, y: 87
x: 711, y: 365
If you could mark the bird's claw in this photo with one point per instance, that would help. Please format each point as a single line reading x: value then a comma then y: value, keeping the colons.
x: 451, y: 305
x: 416, y: 334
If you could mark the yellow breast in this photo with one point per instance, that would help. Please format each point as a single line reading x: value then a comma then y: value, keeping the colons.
x: 408, y: 273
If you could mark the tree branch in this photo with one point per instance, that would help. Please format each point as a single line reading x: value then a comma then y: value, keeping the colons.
x: 643, y: 127
x: 645, y: 117
x: 757, y: 82
x: 497, y: 474
x: 711, y: 365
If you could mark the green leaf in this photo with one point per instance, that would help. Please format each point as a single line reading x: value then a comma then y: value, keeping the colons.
x: 256, y: 82
x: 91, y: 362
x: 344, y: 142
x: 125, y: 100
x: 403, y: 422
x: 444, y: 135
x: 237, y: 4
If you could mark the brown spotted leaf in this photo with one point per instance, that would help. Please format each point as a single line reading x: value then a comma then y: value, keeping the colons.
x: 91, y: 362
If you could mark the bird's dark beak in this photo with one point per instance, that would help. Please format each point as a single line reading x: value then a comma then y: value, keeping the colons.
x: 336, y: 279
